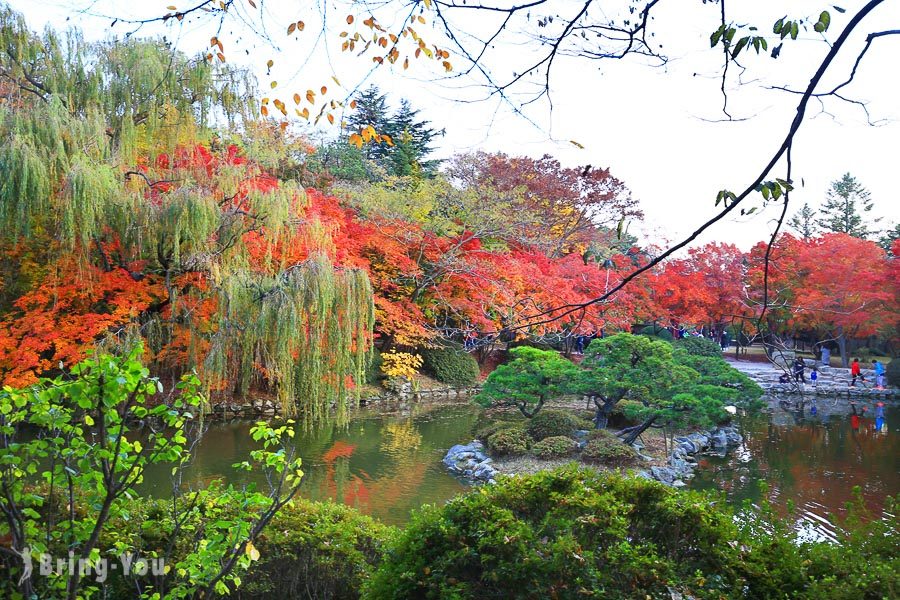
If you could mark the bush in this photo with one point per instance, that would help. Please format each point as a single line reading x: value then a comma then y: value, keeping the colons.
x: 549, y: 423
x: 316, y: 550
x: 892, y: 371
x: 451, y: 365
x: 605, y: 448
x: 655, y: 331
x: 508, y: 441
x: 373, y: 372
x: 574, y: 533
x: 555, y: 446
x: 699, y: 346
x: 486, y: 430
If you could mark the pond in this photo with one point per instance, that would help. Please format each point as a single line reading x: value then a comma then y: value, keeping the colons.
x: 813, y: 459
x: 387, y: 464
x: 383, y: 464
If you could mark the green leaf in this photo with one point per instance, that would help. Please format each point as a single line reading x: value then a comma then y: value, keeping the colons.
x: 779, y: 24
x: 795, y: 30
x: 740, y: 46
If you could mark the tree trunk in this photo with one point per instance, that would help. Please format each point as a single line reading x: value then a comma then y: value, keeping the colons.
x: 842, y: 347
x: 604, y: 408
x: 639, y: 430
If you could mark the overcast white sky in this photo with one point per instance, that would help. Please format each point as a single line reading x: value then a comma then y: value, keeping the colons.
x: 651, y: 126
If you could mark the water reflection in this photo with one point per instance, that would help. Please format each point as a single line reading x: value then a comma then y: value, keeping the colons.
x: 812, y: 456
x: 382, y: 464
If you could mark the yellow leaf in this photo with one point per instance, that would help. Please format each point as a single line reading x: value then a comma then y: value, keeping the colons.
x: 331, y: 118
x: 310, y: 96
x: 427, y: 3
x: 273, y: 85
x: 265, y: 101
x: 296, y: 98
x: 447, y: 66
x: 305, y: 113
x: 301, y: 25
x: 252, y: 3
x: 349, y: 19
x: 221, y: 56
x: 213, y: 41
x: 291, y: 28
x: 269, y: 63
x: 335, y: 79
x: 353, y: 104
x: 324, y: 90
x: 406, y: 63
x: 387, y: 139
x: 251, y: 551
x: 420, y: 19
x: 264, y: 111
x: 576, y: 144
x: 172, y: 8
x: 356, y: 140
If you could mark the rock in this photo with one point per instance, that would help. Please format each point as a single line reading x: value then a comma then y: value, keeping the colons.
x: 678, y: 483
x: 719, y: 440
x: 470, y: 462
x: 663, y: 474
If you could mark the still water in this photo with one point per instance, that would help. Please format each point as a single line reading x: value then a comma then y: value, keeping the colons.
x: 813, y: 459
x: 385, y: 465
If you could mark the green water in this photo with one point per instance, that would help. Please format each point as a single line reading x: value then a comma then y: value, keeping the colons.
x: 383, y: 464
x: 387, y: 464
x: 811, y: 460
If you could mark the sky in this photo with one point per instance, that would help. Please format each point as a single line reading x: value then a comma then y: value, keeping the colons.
x: 661, y: 130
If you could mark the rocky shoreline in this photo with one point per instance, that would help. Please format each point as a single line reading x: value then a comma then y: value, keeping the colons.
x: 682, y: 461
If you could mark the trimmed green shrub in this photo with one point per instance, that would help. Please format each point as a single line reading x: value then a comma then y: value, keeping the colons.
x: 699, y: 346
x: 549, y: 423
x: 605, y: 448
x: 315, y: 550
x: 574, y: 533
x: 892, y: 371
x: 508, y: 441
x: 555, y: 446
x: 451, y: 365
x: 484, y: 431
x: 655, y: 331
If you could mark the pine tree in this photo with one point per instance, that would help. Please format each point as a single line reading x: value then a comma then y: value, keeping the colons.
x: 804, y: 222
x: 888, y: 237
x: 846, y: 203
x: 371, y: 110
x: 416, y: 137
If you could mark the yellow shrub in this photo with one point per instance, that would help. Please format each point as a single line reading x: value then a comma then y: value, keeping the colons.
x: 400, y: 364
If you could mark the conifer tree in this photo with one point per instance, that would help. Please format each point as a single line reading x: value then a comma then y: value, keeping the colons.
x: 846, y: 204
x: 804, y: 222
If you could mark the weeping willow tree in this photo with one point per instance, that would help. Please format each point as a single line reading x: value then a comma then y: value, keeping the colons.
x: 112, y: 154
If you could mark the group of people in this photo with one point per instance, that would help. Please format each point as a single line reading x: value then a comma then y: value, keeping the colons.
x: 856, y: 373
x: 681, y: 332
x: 799, y: 373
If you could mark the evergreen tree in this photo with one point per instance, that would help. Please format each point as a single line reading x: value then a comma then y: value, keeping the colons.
x: 888, y: 237
x: 804, y: 222
x: 413, y: 140
x: 845, y: 206
x: 371, y: 110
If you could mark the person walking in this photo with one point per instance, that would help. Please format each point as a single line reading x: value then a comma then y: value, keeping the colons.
x: 814, y: 377
x: 879, y: 374
x: 855, y: 372
x: 799, y: 368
